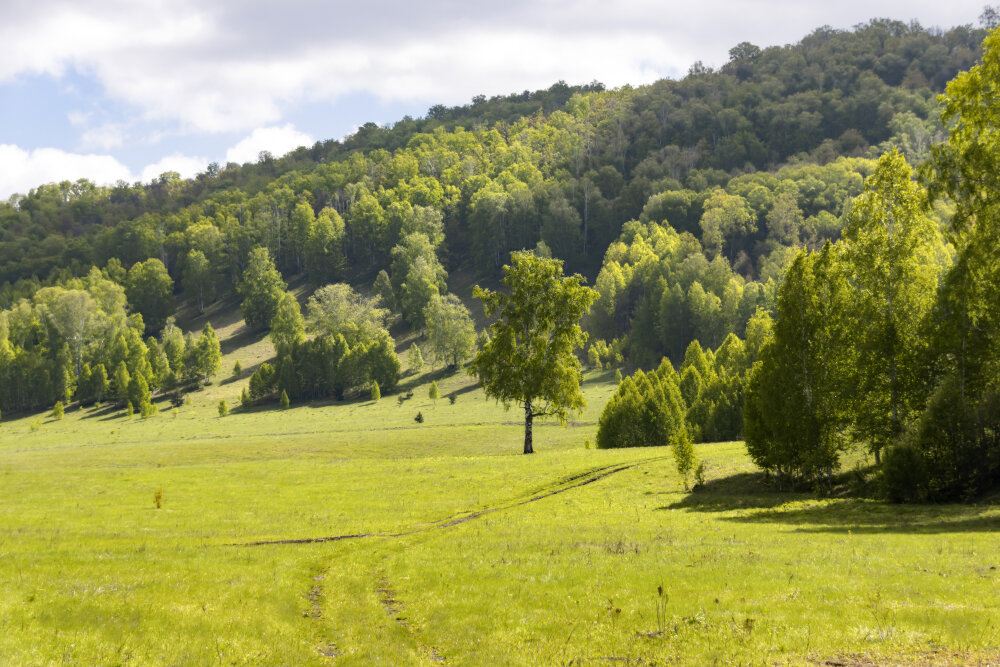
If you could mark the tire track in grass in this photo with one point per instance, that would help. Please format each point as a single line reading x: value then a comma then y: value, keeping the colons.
x: 553, y: 489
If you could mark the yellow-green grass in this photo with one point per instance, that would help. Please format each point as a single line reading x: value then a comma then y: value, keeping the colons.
x: 558, y: 559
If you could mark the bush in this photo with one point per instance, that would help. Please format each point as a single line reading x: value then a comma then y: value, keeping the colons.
x: 647, y: 410
x: 958, y: 439
x: 419, y: 418
x: 904, y: 475
x: 158, y: 497
x: 223, y: 408
x: 376, y: 393
x: 237, y: 369
x: 57, y: 410
x: 283, y: 400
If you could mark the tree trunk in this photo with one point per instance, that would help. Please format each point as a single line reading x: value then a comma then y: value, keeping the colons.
x: 528, y: 416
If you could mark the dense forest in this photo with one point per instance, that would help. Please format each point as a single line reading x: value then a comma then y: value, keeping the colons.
x: 716, y: 216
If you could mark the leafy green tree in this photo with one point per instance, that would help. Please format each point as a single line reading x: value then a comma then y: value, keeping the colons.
x: 646, y: 410
x: 57, y: 410
x: 889, y: 247
x: 529, y: 358
x: 415, y: 360
x: 75, y: 314
x: 450, y: 331
x: 338, y: 310
x: 795, y: 409
x: 122, y: 379
x: 287, y: 326
x: 223, y: 407
x: 205, y: 356
x: 434, y: 393
x: 726, y: 221
x: 324, y: 250
x: 376, y: 393
x: 383, y: 288
x: 199, y: 279
x: 261, y: 289
x: 150, y: 292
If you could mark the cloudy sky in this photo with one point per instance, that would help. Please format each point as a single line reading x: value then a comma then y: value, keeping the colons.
x: 127, y: 89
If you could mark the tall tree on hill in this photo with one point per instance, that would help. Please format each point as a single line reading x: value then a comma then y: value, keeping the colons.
x: 889, y: 247
x: 529, y: 358
x: 261, y: 289
x: 150, y: 292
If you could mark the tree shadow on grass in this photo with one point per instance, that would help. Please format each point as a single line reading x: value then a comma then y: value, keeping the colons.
x: 762, y: 503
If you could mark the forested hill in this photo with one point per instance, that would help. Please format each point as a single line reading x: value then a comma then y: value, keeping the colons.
x: 601, y: 153
x: 683, y: 201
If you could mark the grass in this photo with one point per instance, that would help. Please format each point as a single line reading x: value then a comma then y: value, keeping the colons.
x: 474, y: 554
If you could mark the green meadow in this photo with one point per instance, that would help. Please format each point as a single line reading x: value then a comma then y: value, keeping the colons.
x: 348, y: 533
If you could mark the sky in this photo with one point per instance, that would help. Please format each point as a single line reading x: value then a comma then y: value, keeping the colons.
x: 127, y: 89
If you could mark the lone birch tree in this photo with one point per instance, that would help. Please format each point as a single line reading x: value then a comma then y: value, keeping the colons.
x: 529, y: 358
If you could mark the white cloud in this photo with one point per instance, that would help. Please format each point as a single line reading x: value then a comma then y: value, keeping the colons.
x: 184, y: 165
x: 275, y: 140
x: 231, y: 66
x: 21, y: 170
x: 104, y: 137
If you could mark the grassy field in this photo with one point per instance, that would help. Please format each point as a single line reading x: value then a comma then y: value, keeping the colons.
x: 347, y: 533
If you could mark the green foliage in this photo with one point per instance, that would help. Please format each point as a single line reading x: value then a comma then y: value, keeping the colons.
x: 904, y: 475
x: 646, y: 411
x: 419, y: 418
x: 150, y: 292
x: 338, y: 310
x: 223, y: 408
x: 684, y: 457
x: 329, y: 366
x: 794, y: 409
x: 889, y: 251
x: 287, y: 326
x: 384, y: 290
x: 450, y: 331
x: 261, y: 289
x: 529, y: 357
x: 434, y: 393
x: 414, y: 360
x: 129, y: 410
x: 237, y: 369
x: 262, y: 382
x: 199, y: 279
x: 283, y: 400
x: 375, y: 392
x: 57, y: 410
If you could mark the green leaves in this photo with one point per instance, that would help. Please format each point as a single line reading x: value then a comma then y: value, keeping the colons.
x: 529, y: 358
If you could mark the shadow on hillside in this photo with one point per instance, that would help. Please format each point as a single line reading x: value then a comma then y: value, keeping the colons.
x: 242, y: 337
x: 750, y: 491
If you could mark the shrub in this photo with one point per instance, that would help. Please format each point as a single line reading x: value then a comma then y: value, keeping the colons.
x: 283, y: 400
x: 57, y: 410
x: 684, y: 456
x: 376, y: 393
x: 223, y: 408
x: 904, y: 475
x: 158, y: 497
x: 452, y: 398
x: 237, y: 369
x: 646, y: 410
x: 129, y: 410
x: 434, y: 392
x: 36, y: 424
x: 419, y: 418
